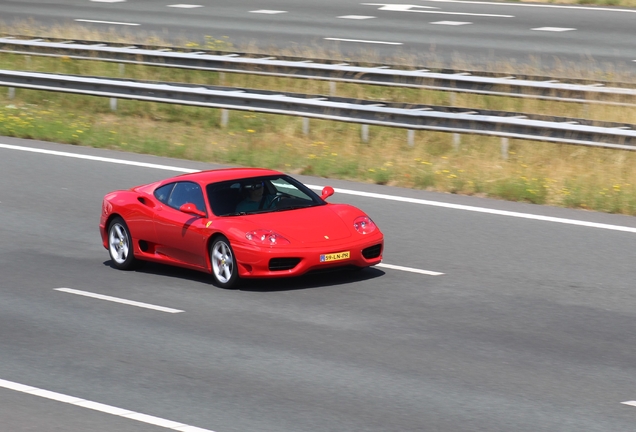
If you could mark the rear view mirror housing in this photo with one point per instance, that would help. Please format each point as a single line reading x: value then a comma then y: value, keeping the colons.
x: 327, y: 191
x: 190, y: 208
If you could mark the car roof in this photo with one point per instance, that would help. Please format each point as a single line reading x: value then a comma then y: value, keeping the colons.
x: 224, y: 174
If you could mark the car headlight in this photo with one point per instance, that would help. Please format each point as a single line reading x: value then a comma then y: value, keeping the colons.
x: 266, y: 237
x: 364, y: 225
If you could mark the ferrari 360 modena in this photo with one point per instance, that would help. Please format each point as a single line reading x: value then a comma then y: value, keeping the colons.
x: 237, y: 223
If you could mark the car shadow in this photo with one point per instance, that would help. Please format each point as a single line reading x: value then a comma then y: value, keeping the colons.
x: 146, y: 267
x: 307, y: 281
x: 311, y: 280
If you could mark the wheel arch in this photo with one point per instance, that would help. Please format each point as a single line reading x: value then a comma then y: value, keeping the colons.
x: 208, y: 247
x: 110, y: 219
x: 130, y: 261
x: 233, y: 280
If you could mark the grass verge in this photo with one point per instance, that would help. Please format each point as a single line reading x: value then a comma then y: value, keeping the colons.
x: 540, y: 173
x: 535, y: 172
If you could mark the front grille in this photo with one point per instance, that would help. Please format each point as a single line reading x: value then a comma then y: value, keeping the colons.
x: 372, y: 251
x: 278, y: 264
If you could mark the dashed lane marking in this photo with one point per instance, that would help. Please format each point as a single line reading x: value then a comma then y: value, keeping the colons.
x: 267, y: 11
x: 118, y: 300
x: 356, y: 17
x: 553, y: 29
x: 409, y: 269
x: 451, y: 23
x: 96, y: 406
x: 185, y: 6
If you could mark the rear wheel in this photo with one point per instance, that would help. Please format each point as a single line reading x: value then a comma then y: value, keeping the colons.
x: 120, y: 245
x: 224, y: 269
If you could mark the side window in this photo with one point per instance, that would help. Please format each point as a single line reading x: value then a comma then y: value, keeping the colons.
x: 163, y: 193
x: 186, y: 192
x: 224, y: 197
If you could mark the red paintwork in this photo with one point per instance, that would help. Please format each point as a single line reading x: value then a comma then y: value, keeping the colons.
x: 177, y: 238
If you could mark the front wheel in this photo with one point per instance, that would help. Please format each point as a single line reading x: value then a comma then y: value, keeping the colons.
x: 120, y: 245
x: 224, y: 269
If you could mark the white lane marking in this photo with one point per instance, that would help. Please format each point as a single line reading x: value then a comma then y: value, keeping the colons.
x: 451, y: 23
x: 595, y: 9
x: 96, y: 406
x: 118, y: 300
x: 106, y: 22
x: 398, y: 7
x: 108, y: 1
x: 346, y: 191
x: 364, y: 41
x: 408, y: 8
x: 482, y: 210
x: 98, y: 159
x: 185, y: 6
x: 356, y: 17
x: 266, y: 11
x: 409, y: 269
x: 632, y: 403
x: 553, y: 29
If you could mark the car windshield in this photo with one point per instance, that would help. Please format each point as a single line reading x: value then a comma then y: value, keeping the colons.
x: 260, y: 195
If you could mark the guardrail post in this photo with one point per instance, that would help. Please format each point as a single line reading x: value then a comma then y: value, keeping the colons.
x: 11, y: 92
x: 305, y: 126
x: 504, y: 148
x: 27, y: 61
x: 221, y: 78
x: 456, y: 141
x: 113, y: 104
x: 225, y: 117
x: 364, y: 133
x: 332, y: 88
x: 122, y: 69
x: 562, y: 130
x: 410, y: 137
x: 453, y: 98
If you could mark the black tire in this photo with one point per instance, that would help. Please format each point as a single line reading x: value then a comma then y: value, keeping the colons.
x: 120, y: 246
x: 224, y: 268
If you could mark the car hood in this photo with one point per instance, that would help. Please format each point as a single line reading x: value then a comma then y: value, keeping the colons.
x: 305, y: 226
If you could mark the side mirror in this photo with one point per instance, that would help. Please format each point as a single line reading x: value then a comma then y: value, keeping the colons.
x: 327, y: 191
x: 192, y: 209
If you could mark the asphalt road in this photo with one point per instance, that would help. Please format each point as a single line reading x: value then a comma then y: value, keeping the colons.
x: 531, y: 326
x: 459, y: 33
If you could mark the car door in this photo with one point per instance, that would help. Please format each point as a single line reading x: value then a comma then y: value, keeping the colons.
x: 182, y: 236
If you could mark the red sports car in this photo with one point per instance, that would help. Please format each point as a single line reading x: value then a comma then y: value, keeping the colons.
x: 237, y: 223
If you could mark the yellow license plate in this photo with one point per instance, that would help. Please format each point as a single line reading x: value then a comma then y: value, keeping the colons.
x: 335, y: 256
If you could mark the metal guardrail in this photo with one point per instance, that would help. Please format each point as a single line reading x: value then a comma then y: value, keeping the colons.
x: 413, y: 117
x: 580, y: 91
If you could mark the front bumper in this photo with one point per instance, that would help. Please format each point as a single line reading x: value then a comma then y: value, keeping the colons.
x: 254, y: 261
